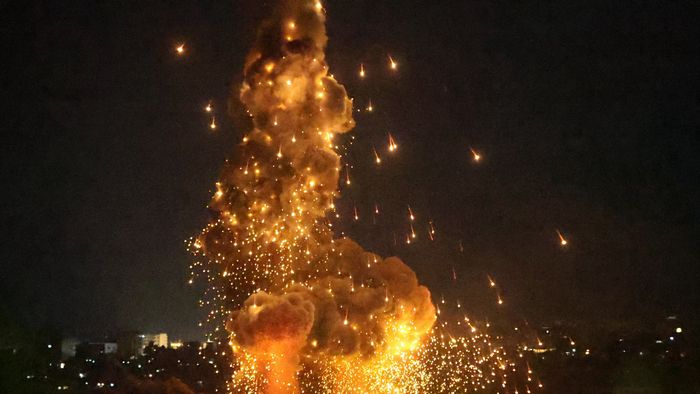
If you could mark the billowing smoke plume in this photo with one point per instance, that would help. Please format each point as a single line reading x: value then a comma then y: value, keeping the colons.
x: 290, y: 293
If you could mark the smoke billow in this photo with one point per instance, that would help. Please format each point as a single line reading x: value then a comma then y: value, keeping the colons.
x: 289, y: 293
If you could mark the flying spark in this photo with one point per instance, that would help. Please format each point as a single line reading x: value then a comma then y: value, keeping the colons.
x: 392, y: 144
x: 491, y: 281
x: 476, y: 156
x: 392, y: 64
x: 562, y: 240
x: 377, y: 159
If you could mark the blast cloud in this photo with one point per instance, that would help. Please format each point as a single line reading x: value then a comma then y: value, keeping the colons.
x: 289, y: 290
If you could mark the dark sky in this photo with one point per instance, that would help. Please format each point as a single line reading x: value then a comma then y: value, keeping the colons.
x: 587, y: 114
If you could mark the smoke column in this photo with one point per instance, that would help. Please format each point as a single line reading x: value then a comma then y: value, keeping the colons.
x: 305, y: 312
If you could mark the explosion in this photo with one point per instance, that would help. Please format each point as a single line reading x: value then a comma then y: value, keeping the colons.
x: 303, y: 311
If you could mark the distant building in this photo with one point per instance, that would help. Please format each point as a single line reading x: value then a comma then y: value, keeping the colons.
x: 157, y: 340
x: 95, y: 349
x: 110, y: 347
x: 130, y: 344
x: 68, y: 347
x: 175, y: 344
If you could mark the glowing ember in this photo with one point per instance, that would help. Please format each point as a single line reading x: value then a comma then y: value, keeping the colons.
x: 392, y: 64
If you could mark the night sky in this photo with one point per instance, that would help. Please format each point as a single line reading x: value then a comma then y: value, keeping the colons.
x: 586, y: 114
